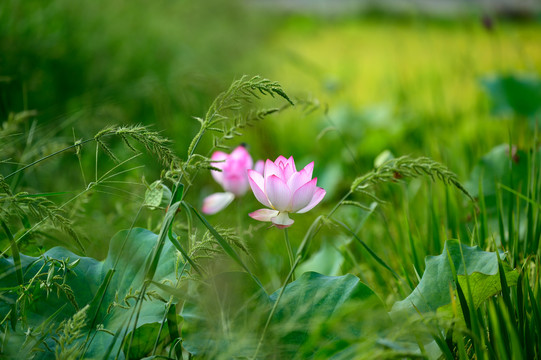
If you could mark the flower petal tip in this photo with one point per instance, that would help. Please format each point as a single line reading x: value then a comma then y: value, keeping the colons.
x: 263, y: 214
x: 217, y: 202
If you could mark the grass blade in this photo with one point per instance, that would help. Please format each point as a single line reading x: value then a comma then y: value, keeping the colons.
x: 172, y: 326
x: 370, y: 251
x: 179, y: 247
x: 224, y: 244
x: 95, y: 305
x: 15, y: 253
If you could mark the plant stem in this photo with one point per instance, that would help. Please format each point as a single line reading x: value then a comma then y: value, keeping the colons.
x: 289, y: 251
x: 239, y: 217
x: 15, y: 253
x: 47, y: 157
x: 312, y: 231
x: 339, y: 203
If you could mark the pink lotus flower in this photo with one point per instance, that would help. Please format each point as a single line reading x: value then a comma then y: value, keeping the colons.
x: 233, y: 178
x: 284, y: 190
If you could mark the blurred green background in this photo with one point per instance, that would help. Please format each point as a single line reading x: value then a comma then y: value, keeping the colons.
x: 364, y: 82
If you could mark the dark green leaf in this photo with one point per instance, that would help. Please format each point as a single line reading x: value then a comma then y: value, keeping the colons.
x: 93, y: 282
x: 514, y: 95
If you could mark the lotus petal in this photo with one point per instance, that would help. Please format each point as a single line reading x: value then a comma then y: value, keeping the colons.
x: 272, y: 169
x: 259, y: 166
x: 297, y: 180
x: 303, y: 196
x: 318, y: 196
x: 241, y: 155
x: 221, y: 157
x: 257, y: 183
x: 263, y: 214
x: 216, y: 202
x: 278, y: 193
x: 309, y: 169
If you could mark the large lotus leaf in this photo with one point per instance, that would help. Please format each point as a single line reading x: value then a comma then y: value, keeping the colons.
x: 317, y: 313
x: 314, y: 314
x: 482, y: 287
x: 128, y: 253
x: 433, y: 291
x: 514, y: 95
x: 498, y: 166
x: 328, y: 261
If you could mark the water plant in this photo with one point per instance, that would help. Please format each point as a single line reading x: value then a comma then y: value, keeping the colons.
x: 190, y: 287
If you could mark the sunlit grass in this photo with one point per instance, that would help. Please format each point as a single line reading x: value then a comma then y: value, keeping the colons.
x: 375, y: 61
x: 424, y: 72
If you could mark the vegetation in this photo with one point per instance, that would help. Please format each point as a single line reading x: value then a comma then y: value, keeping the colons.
x: 423, y: 133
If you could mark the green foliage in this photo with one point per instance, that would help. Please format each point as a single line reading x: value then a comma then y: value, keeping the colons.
x: 105, y: 300
x: 474, y: 268
x: 157, y: 195
x: 449, y: 299
x: 122, y: 62
x: 125, y: 314
x: 466, y: 303
x: 223, y: 319
x: 393, y: 170
x: 305, y: 321
x: 70, y: 330
x: 327, y: 260
x: 26, y: 206
x: 309, y: 303
x: 226, y: 115
x: 499, y: 166
x: 151, y: 140
x: 506, y: 182
x: 514, y: 95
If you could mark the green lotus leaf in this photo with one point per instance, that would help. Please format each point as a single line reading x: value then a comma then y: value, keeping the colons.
x: 110, y: 306
x: 514, y: 95
x: 314, y: 316
x: 433, y: 291
x: 499, y: 165
x: 317, y: 313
